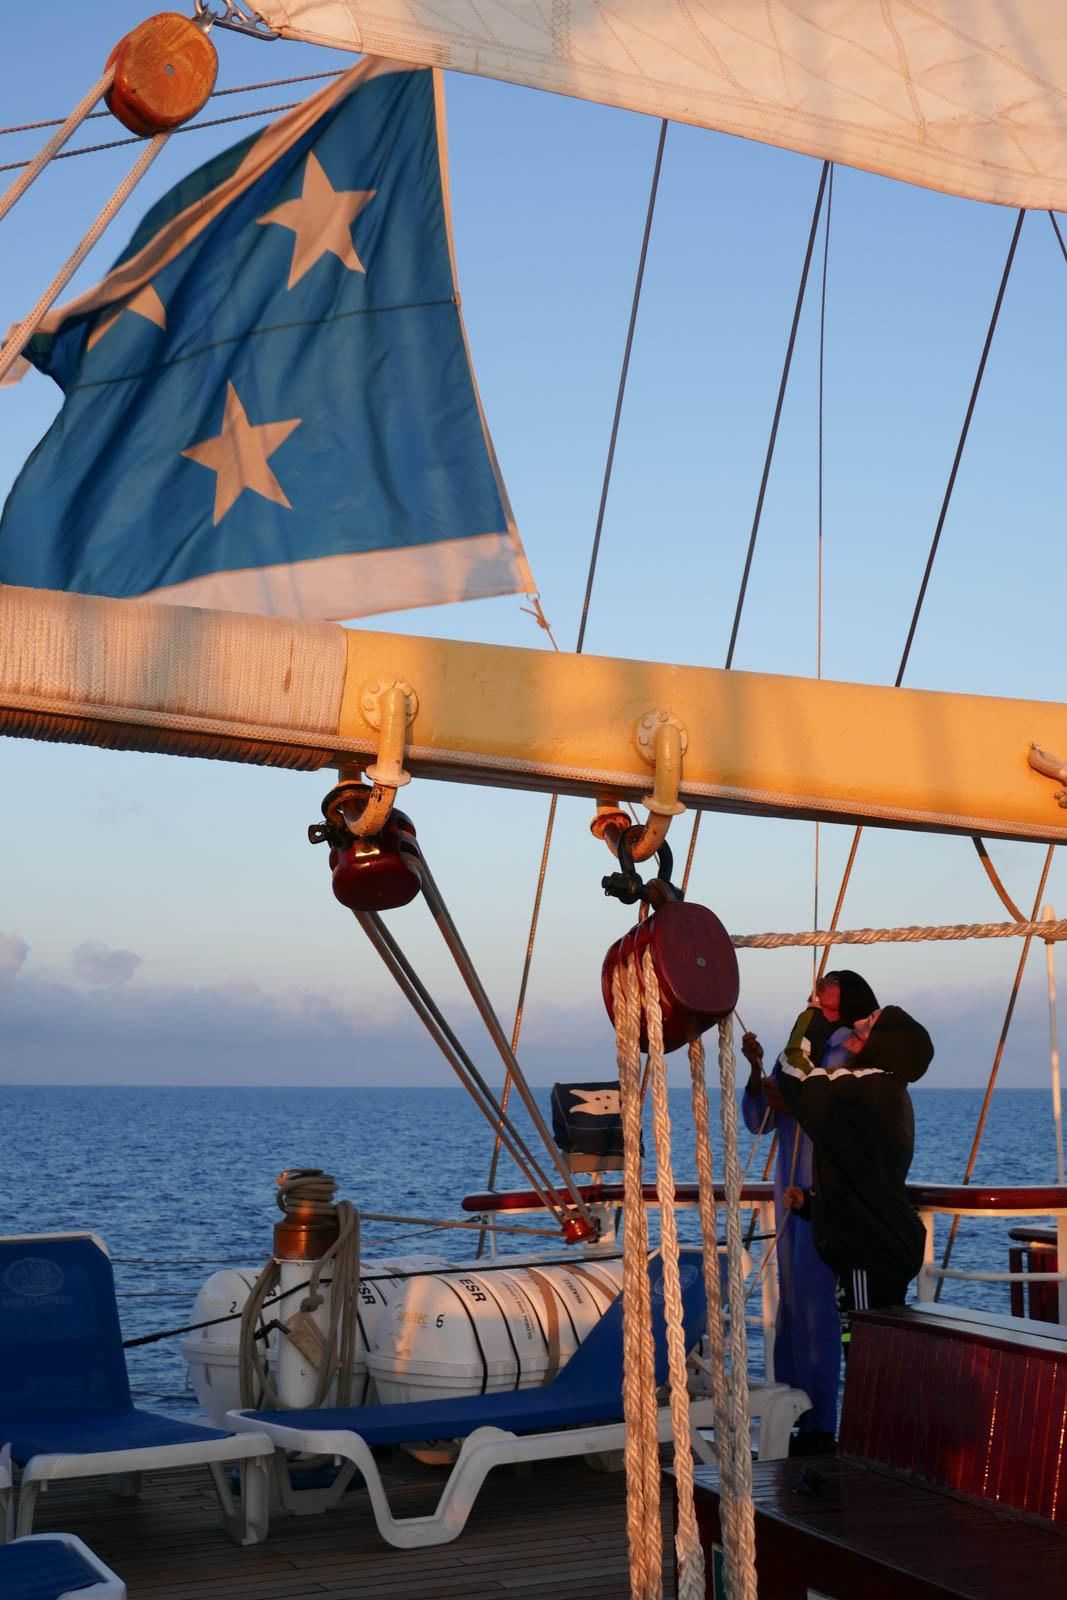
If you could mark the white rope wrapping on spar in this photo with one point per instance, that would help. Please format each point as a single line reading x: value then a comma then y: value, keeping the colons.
x: 23, y: 331
x: 644, y: 1530
x: 906, y: 935
x: 689, y: 1556
x: 17, y: 189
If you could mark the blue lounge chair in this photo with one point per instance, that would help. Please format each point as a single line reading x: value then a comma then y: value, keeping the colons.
x: 50, y: 1566
x: 55, y: 1566
x: 578, y: 1413
x: 65, y: 1406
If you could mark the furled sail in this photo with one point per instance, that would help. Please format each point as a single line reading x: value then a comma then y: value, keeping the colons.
x: 269, y: 399
x: 965, y: 96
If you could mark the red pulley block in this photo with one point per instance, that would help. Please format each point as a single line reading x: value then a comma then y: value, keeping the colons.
x: 695, y: 963
x: 379, y: 873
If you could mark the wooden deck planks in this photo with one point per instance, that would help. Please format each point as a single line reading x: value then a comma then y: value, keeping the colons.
x: 557, y: 1530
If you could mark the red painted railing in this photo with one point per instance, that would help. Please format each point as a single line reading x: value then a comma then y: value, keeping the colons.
x: 1037, y: 1200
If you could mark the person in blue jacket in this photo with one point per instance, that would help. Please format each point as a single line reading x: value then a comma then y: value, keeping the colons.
x: 807, y: 1337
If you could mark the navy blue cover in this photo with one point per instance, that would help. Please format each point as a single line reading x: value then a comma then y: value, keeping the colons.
x: 42, y: 1570
x: 586, y: 1118
x: 63, y: 1383
x: 588, y: 1389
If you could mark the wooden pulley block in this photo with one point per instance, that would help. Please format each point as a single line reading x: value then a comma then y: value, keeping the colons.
x: 165, y: 70
x: 695, y: 963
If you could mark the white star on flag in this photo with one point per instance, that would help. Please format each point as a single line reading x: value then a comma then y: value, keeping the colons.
x: 239, y: 455
x: 322, y: 220
x: 145, y: 303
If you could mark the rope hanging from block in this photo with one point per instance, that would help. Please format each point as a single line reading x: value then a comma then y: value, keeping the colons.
x: 632, y: 996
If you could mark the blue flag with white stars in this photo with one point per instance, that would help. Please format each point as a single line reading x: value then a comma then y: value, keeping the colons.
x: 269, y: 398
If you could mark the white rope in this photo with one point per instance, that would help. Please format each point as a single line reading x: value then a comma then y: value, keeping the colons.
x: 689, y: 1556
x: 724, y: 1434
x: 744, y: 1587
x: 643, y: 1527
x: 906, y: 935
x: 56, y: 142
x: 20, y: 335
x: 729, y: 1385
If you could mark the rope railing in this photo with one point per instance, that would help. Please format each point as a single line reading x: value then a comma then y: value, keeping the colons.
x: 1052, y: 931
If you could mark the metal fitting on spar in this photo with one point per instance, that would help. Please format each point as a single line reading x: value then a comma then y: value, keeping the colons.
x: 662, y: 741
x: 1050, y: 766
x: 388, y: 705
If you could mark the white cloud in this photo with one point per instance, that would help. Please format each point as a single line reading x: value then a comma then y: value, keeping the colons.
x: 233, y: 1030
x: 97, y: 964
x: 13, y: 953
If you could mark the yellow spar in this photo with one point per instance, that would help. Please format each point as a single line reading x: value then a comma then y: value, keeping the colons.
x: 144, y: 676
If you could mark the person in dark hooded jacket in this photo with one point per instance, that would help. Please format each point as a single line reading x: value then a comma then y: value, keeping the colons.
x: 850, y: 1095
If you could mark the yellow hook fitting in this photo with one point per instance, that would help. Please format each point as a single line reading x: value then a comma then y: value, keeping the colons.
x: 662, y: 741
x: 388, y: 704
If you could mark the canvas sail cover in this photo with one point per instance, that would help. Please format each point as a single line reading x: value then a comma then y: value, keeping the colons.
x: 965, y: 96
x: 270, y: 405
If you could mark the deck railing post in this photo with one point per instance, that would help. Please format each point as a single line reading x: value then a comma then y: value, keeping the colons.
x: 925, y: 1284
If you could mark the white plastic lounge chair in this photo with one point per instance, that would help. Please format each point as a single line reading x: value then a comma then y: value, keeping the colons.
x: 65, y: 1406
x: 578, y: 1413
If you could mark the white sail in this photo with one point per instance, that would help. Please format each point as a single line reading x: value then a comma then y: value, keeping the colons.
x: 965, y: 96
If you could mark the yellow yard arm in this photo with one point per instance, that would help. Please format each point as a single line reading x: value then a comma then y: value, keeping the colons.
x: 142, y: 676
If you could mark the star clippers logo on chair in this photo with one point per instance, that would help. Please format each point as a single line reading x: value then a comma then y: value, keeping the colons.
x: 688, y: 1273
x: 33, y: 1277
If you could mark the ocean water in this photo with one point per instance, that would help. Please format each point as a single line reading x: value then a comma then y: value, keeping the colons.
x: 178, y: 1180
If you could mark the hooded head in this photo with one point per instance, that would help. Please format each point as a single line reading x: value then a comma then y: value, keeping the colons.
x: 848, y: 996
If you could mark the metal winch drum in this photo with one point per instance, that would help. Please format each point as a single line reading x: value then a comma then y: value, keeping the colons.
x: 695, y: 963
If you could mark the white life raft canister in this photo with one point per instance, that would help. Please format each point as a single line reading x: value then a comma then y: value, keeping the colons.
x: 484, y: 1329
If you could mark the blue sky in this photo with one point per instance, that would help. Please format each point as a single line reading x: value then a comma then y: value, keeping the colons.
x: 166, y: 921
